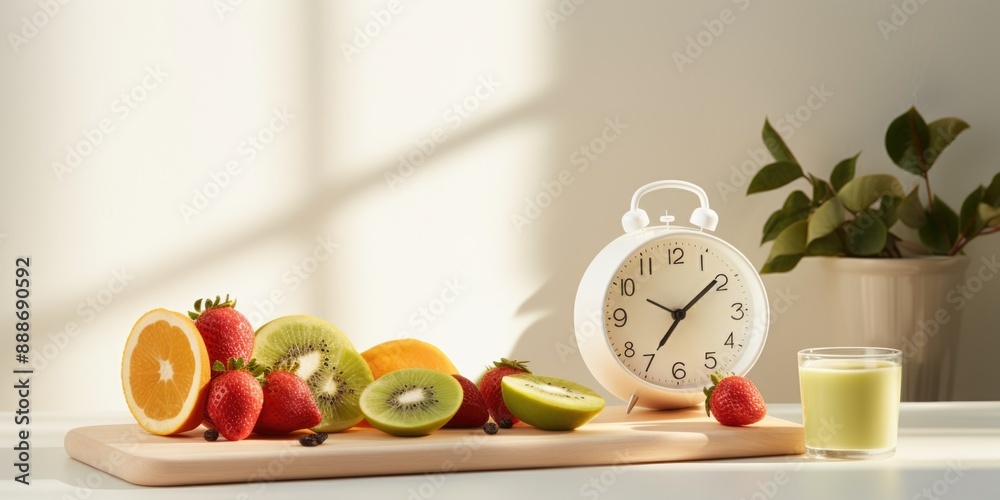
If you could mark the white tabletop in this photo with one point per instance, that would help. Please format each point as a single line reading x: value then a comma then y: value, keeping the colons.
x: 946, y: 450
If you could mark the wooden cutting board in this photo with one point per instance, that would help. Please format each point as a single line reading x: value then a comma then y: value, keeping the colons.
x: 613, y: 438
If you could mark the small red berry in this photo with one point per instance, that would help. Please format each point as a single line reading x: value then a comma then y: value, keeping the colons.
x: 734, y: 401
x: 227, y: 333
x: 489, y: 386
x: 235, y: 399
x: 473, y: 411
x: 288, y: 405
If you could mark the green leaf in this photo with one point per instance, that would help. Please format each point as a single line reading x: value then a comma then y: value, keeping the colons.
x: 843, y: 172
x: 989, y: 214
x: 860, y: 193
x: 948, y: 216
x: 910, y: 211
x: 781, y: 264
x: 821, y: 191
x: 774, y: 176
x: 992, y: 195
x: 828, y: 217
x: 776, y: 145
x: 941, y: 230
x: 906, y: 140
x: 831, y: 244
x: 787, y: 249
x: 969, y: 220
x: 792, y: 240
x: 796, y: 200
x: 942, y: 132
x: 866, y: 235
x: 796, y: 208
x: 888, y: 209
x: 935, y: 241
x: 778, y: 221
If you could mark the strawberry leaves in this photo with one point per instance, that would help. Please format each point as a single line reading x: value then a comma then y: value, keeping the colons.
x: 236, y: 364
x: 203, y: 305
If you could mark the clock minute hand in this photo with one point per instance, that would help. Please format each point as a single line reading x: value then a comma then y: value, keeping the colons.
x: 700, y: 295
x: 682, y: 313
x: 667, y: 336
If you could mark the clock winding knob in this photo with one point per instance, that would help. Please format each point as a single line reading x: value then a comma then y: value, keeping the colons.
x: 634, y: 220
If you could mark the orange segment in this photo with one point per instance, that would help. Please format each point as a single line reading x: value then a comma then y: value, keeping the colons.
x: 165, y: 372
x: 406, y: 353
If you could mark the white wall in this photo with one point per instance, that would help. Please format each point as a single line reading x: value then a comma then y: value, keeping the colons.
x: 544, y: 91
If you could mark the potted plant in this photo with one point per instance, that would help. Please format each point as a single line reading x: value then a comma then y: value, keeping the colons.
x: 895, y: 254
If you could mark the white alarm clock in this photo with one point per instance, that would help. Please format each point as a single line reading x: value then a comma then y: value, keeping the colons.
x: 661, y: 308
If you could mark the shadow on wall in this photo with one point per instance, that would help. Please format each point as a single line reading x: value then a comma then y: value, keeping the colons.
x: 604, y: 160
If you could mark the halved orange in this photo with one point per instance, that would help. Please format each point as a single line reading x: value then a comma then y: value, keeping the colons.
x: 165, y: 372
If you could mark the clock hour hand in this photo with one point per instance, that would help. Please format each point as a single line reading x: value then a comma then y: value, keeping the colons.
x: 680, y: 314
x: 661, y: 306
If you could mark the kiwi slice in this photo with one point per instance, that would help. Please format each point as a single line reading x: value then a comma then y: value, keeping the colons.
x: 412, y: 401
x: 550, y: 403
x: 325, y: 358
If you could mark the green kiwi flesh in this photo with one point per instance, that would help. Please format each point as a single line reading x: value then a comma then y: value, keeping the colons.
x: 411, y: 402
x: 325, y: 358
x: 550, y: 403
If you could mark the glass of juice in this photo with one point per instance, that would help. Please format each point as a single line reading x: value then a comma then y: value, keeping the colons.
x: 850, y: 401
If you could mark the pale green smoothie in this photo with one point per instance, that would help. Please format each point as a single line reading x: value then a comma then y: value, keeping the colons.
x: 850, y: 405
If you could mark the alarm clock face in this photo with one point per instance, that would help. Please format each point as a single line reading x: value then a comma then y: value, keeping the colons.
x: 682, y: 307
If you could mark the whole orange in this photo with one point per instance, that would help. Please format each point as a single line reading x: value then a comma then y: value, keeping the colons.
x: 406, y: 353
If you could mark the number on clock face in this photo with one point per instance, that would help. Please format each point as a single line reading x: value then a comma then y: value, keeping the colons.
x: 679, y: 310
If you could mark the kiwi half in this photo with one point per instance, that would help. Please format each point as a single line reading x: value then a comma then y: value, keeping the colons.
x: 550, y: 403
x: 325, y: 358
x: 412, y: 401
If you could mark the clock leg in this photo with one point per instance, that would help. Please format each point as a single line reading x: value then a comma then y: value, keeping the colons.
x: 632, y: 400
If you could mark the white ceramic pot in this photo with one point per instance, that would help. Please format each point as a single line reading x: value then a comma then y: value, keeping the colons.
x: 903, y: 303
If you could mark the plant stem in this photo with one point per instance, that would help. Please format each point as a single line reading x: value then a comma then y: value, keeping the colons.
x: 930, y: 196
x: 812, y: 180
x: 962, y: 240
x: 959, y: 244
x: 924, y: 167
x: 913, y: 246
x: 809, y: 177
x: 894, y: 248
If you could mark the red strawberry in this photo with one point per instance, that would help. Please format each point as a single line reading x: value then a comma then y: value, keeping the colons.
x: 489, y: 386
x: 734, y: 401
x: 473, y: 411
x: 226, y: 332
x: 235, y: 400
x: 288, y: 405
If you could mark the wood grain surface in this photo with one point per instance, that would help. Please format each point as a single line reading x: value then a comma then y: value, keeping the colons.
x: 613, y: 438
